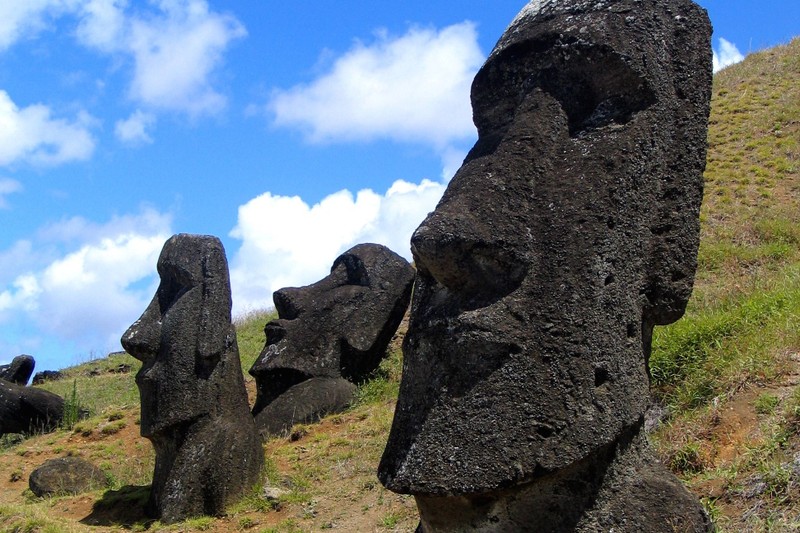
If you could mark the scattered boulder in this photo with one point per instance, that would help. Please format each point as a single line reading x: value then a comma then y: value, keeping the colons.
x: 194, y: 402
x: 28, y: 409
x: 19, y: 370
x: 570, y: 231
x: 66, y: 475
x: 329, y: 336
x: 46, y: 375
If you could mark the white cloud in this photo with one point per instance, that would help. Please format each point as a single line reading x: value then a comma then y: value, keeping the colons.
x: 176, y: 53
x: 8, y: 186
x: 286, y: 242
x: 726, y: 55
x: 32, y: 135
x: 175, y: 46
x: 19, y: 18
x: 410, y: 88
x: 89, y: 294
x: 102, y: 24
x: 133, y: 130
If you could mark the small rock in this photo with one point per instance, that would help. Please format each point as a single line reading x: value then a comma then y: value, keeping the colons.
x: 66, y: 475
x: 272, y: 494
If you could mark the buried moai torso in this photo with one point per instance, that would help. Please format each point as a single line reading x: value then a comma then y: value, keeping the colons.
x: 194, y: 403
x: 329, y: 336
x: 568, y: 233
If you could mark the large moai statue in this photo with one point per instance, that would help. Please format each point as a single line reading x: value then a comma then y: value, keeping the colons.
x: 570, y: 231
x: 329, y: 337
x: 194, y: 402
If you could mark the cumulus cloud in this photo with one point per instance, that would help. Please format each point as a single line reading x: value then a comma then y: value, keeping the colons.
x: 102, y: 24
x: 176, y: 53
x: 134, y: 129
x: 726, y: 55
x: 8, y: 186
x: 287, y: 242
x: 89, y: 294
x: 414, y: 87
x: 174, y: 46
x: 21, y: 18
x: 33, y: 135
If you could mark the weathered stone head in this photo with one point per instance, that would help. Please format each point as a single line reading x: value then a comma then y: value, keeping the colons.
x: 194, y: 404
x: 568, y: 233
x: 19, y: 370
x: 329, y: 336
x: 28, y: 410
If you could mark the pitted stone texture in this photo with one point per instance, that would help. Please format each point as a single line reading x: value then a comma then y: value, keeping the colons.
x: 66, y: 475
x: 194, y: 403
x: 19, y: 370
x: 570, y: 231
x: 28, y: 409
x: 337, y: 330
x: 307, y: 401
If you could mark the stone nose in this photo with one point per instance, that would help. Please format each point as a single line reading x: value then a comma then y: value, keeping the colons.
x: 473, y: 264
x: 287, y: 302
x: 142, y: 339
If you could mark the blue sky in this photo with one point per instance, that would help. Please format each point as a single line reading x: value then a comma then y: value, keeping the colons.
x: 290, y: 130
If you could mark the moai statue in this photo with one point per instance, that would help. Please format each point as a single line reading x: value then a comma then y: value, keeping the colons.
x: 28, y: 410
x: 194, y: 403
x: 570, y: 231
x: 19, y: 370
x: 329, y: 336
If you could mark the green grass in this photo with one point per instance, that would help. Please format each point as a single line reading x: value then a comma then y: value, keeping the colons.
x: 98, y: 384
x: 712, y: 351
x: 250, y: 335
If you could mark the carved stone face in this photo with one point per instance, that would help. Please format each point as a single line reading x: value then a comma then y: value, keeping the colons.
x: 570, y: 230
x: 337, y: 327
x: 182, y: 334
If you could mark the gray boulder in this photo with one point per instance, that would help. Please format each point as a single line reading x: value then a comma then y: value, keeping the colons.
x: 194, y: 403
x: 66, y: 475
x: 336, y: 330
x: 46, y: 375
x: 28, y: 409
x: 19, y: 370
x: 570, y: 231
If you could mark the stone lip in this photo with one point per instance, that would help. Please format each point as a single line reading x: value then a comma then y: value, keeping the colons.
x: 570, y: 231
x: 332, y: 334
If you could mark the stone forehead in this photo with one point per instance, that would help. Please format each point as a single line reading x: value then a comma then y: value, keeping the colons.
x: 540, y: 9
x: 553, y: 7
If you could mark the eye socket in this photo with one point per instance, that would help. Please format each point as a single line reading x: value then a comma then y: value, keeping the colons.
x: 594, y: 85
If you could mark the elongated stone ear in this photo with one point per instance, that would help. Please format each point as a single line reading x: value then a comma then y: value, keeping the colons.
x: 215, y: 335
x: 675, y: 224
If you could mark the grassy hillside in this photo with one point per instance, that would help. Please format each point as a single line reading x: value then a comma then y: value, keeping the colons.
x: 726, y: 377
x: 729, y: 372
